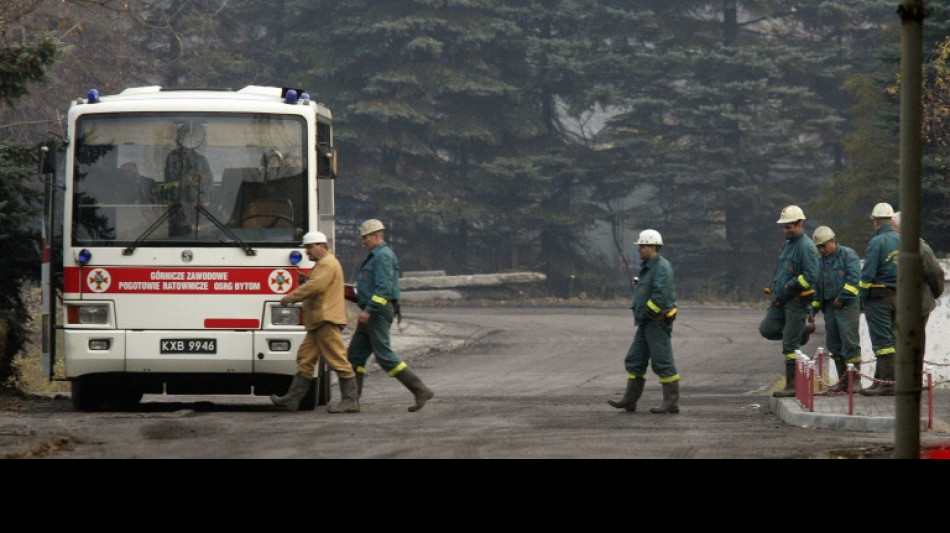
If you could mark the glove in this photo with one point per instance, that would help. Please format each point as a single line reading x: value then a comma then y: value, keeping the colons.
x: 837, y: 304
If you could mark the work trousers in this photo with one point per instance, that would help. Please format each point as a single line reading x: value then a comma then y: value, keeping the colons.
x: 373, y: 338
x: 786, y: 323
x: 881, y: 316
x: 842, y: 332
x: 326, y: 340
x: 652, y: 345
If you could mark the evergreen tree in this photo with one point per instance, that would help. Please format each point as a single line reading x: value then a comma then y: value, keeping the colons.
x: 451, y: 116
x: 21, y: 65
x: 738, y: 126
x: 872, y: 173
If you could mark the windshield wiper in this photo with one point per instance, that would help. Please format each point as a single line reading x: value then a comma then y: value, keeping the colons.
x: 214, y: 220
x: 148, y: 231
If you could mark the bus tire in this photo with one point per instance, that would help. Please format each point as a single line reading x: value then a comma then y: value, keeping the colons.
x: 86, y: 393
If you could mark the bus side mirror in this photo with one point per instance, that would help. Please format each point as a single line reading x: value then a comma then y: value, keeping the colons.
x: 326, y: 161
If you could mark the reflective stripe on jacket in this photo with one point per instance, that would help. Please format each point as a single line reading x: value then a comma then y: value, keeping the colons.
x: 655, y: 294
x: 844, y: 276
x: 797, y: 269
x: 880, y: 259
x: 378, y: 281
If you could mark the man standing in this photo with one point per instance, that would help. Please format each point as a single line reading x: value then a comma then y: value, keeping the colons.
x: 933, y: 280
x: 878, y: 292
x: 837, y: 296
x: 324, y: 314
x: 377, y: 292
x: 791, y: 291
x: 654, y: 310
x: 188, y: 179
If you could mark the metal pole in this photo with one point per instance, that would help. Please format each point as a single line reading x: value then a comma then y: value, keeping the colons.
x: 909, y: 357
x: 49, y: 315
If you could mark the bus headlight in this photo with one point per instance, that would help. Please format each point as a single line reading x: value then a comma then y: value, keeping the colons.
x: 279, y: 346
x: 87, y: 314
x: 99, y: 344
x: 285, y: 316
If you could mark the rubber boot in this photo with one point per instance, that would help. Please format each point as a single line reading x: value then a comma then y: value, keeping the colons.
x: 842, y: 369
x: 671, y: 398
x: 296, y: 392
x: 415, y: 385
x: 349, y: 398
x: 630, y: 396
x: 875, y: 384
x: 809, y: 329
x: 885, y: 364
x: 359, y: 384
x: 789, y: 390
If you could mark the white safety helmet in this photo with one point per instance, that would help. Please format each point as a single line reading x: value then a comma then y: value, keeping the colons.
x: 823, y: 234
x: 650, y: 236
x: 882, y: 210
x: 791, y: 213
x: 371, y: 226
x: 313, y: 237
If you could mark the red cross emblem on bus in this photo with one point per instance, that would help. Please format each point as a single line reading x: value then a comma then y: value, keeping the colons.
x: 280, y: 281
x: 98, y: 280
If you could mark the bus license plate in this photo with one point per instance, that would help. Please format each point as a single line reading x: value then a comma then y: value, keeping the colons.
x: 189, y: 346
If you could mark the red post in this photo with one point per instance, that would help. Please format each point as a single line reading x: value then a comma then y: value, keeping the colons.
x: 930, y: 400
x: 851, y: 373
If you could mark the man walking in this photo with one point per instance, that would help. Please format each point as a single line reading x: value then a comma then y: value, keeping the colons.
x: 377, y: 292
x: 654, y: 310
x: 837, y: 296
x: 324, y: 314
x: 791, y: 291
x: 879, y: 292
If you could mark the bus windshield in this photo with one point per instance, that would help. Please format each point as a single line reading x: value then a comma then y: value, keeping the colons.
x: 208, y: 179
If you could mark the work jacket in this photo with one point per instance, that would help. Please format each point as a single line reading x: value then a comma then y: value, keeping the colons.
x: 378, y: 282
x: 322, y: 294
x: 840, y: 280
x: 797, y: 269
x: 655, y: 296
x: 933, y: 282
x: 880, y: 260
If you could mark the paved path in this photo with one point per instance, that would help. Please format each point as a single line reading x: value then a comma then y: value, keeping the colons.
x: 875, y: 414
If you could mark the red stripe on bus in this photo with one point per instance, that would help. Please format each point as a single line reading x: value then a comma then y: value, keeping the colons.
x: 178, y: 280
x: 232, y: 323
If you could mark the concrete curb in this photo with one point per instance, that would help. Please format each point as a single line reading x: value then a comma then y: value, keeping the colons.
x: 791, y: 412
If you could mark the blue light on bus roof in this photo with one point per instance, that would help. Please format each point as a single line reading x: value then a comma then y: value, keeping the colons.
x: 93, y: 96
x: 295, y: 257
x: 291, y: 97
x: 304, y: 96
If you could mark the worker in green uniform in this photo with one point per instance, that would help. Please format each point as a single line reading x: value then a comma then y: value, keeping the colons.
x: 837, y: 296
x: 879, y: 296
x: 654, y: 310
x: 377, y: 293
x: 791, y: 293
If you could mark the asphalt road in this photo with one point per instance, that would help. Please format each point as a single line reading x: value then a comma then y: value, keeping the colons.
x: 510, y: 383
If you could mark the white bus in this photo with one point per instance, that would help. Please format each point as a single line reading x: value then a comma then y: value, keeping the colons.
x: 181, y: 219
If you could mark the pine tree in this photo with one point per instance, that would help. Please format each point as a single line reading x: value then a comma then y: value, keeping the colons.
x: 21, y: 65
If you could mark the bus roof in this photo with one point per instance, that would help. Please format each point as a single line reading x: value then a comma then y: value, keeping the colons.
x: 202, y: 97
